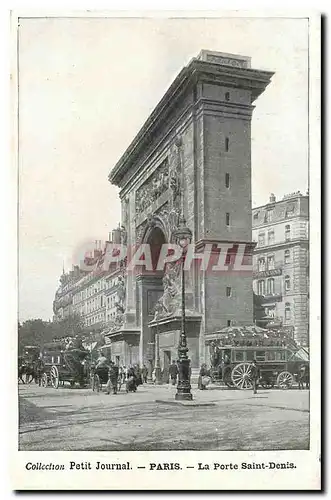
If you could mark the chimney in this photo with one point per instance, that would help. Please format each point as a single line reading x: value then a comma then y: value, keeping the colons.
x: 116, y: 235
x: 272, y: 198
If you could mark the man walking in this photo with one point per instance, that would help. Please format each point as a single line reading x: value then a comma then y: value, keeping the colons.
x: 112, y: 378
x: 144, y: 372
x: 255, y: 375
x: 173, y: 372
x: 39, y: 369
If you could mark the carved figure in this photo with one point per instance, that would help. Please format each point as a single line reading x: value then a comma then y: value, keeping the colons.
x: 120, y: 303
x: 124, y: 235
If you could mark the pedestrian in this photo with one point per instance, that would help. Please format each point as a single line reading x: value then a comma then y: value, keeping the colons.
x: 255, y: 375
x: 131, y: 383
x: 138, y: 375
x: 112, y: 378
x: 173, y: 372
x: 144, y: 372
x: 101, y: 361
x: 302, y: 376
x: 40, y: 366
x: 204, y: 377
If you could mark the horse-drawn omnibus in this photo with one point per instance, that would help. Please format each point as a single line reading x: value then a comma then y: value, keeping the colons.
x: 233, y: 349
x: 63, y: 364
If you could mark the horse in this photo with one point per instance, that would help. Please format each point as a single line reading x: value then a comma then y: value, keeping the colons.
x: 30, y: 372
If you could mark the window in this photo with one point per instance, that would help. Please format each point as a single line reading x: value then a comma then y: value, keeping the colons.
x: 261, y: 264
x: 227, y: 143
x: 227, y: 180
x: 287, y: 232
x: 250, y: 355
x: 287, y: 311
x: 261, y: 240
x: 269, y: 215
x: 271, y: 355
x: 229, y: 322
x: 287, y: 283
x: 239, y: 356
x: 228, y: 291
x: 271, y: 286
x: 271, y: 262
x: 260, y: 287
x: 287, y: 256
x: 271, y: 237
x: 227, y: 218
x: 280, y: 355
x: 260, y: 355
x: 227, y: 96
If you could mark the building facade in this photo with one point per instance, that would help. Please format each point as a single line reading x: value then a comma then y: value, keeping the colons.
x: 92, y: 295
x: 191, y: 158
x: 281, y: 264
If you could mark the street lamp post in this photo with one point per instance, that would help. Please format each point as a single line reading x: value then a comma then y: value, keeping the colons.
x: 157, y: 367
x: 183, y: 237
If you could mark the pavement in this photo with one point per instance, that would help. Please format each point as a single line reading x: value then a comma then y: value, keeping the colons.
x: 218, y: 419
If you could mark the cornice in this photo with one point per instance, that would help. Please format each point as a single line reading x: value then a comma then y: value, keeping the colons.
x: 254, y: 80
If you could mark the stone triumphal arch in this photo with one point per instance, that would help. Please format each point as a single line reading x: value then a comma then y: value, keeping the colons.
x: 191, y: 157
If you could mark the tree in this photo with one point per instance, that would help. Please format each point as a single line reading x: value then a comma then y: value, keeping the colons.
x: 70, y: 326
x: 38, y: 332
x: 34, y: 332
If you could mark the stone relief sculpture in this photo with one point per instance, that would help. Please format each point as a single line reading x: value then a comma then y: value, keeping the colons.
x: 121, y: 294
x: 125, y: 210
x: 139, y: 232
x: 153, y: 188
x: 170, y: 300
x: 124, y: 235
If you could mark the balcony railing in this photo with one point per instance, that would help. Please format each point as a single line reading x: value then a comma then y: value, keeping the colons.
x: 268, y: 273
x: 275, y: 297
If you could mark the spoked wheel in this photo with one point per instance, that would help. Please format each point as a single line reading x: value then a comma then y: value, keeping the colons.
x: 241, y: 376
x: 54, y: 375
x: 96, y: 383
x: 44, y: 380
x: 285, y: 380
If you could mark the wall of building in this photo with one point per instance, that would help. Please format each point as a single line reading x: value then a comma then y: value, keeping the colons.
x: 291, y: 261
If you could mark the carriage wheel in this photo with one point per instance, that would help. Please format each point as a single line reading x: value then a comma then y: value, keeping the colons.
x: 44, y: 380
x: 96, y: 383
x: 55, y: 378
x: 241, y: 376
x: 285, y: 380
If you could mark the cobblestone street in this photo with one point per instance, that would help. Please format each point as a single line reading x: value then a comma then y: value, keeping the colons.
x: 218, y: 419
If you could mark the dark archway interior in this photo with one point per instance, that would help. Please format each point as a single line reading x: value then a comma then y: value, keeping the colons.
x: 156, y: 239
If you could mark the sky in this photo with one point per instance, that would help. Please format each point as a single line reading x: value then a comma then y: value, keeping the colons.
x: 87, y: 85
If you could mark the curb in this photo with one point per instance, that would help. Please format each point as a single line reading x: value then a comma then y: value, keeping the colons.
x: 182, y: 403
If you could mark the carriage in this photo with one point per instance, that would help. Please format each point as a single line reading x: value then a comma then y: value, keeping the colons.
x: 279, y: 358
x: 65, y: 365
x: 100, y: 377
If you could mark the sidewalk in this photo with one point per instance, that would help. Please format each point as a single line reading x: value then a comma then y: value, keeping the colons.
x: 215, y: 394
